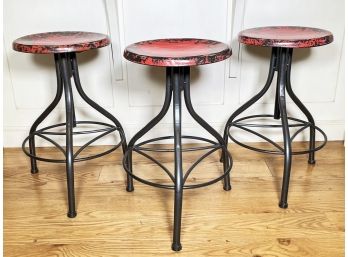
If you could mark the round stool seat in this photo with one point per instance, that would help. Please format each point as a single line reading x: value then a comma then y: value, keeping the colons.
x: 286, y: 36
x: 60, y: 42
x: 177, y: 52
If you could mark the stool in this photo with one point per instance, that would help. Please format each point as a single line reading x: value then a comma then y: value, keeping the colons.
x: 282, y: 40
x: 64, y: 46
x: 178, y: 55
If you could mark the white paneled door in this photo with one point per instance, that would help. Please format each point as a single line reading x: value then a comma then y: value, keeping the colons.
x: 134, y: 93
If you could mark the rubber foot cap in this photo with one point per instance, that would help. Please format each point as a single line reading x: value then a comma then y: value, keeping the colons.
x: 176, y: 247
x: 130, y: 188
x: 227, y: 188
x: 311, y: 161
x: 34, y: 171
x: 283, y: 205
x: 72, y: 214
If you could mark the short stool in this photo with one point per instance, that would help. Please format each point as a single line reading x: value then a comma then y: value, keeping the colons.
x: 282, y: 39
x: 64, y: 46
x: 177, y: 55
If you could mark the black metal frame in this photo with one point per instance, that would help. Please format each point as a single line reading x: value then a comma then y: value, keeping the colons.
x: 281, y: 60
x: 67, y: 68
x: 178, y: 80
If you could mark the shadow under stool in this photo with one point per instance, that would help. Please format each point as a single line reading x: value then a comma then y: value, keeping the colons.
x: 282, y: 39
x: 64, y: 46
x: 177, y: 55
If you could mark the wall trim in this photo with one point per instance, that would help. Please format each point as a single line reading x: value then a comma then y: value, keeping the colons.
x: 236, y: 19
x: 111, y: 9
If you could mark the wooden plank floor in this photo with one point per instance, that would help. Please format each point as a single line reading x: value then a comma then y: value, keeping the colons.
x: 244, y: 222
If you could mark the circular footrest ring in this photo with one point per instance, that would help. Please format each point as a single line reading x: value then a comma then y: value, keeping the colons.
x: 299, y: 123
x: 44, y: 133
x: 141, y: 150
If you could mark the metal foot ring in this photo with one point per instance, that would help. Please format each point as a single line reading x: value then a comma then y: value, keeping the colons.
x: 44, y: 131
x: 300, y: 123
x: 140, y: 149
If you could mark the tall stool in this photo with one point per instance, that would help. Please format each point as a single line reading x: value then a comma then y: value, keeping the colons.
x: 64, y: 46
x: 282, y: 40
x: 177, y: 55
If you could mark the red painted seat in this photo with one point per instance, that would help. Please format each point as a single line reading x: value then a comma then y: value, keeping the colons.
x: 286, y: 36
x: 60, y: 42
x: 177, y: 52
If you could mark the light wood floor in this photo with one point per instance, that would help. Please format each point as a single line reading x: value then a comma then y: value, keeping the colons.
x: 244, y: 222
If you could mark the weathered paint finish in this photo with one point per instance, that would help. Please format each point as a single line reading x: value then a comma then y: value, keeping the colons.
x: 60, y: 42
x: 286, y: 36
x: 177, y: 52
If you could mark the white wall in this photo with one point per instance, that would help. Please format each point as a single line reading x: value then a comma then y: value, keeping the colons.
x: 134, y: 93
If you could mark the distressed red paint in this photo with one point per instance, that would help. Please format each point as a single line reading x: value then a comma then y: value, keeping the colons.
x: 60, y: 42
x: 177, y: 52
x: 286, y: 36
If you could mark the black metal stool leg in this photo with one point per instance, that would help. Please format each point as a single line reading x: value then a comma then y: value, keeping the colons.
x: 204, y: 124
x: 178, y: 173
x: 101, y: 110
x: 130, y: 186
x: 276, y: 114
x: 300, y: 105
x: 155, y: 120
x: 64, y: 60
x: 281, y: 83
x: 254, y: 99
x: 70, y: 68
x: 161, y: 114
x: 47, y: 111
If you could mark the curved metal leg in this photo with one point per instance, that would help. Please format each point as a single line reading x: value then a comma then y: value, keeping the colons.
x: 204, y: 124
x: 254, y: 99
x: 281, y: 83
x: 155, y: 120
x: 300, y: 105
x: 276, y: 114
x: 178, y: 173
x: 102, y: 111
x: 161, y: 114
x: 64, y: 59
x: 72, y: 96
x: 43, y: 116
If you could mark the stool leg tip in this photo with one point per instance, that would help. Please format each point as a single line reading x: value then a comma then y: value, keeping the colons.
x: 72, y: 214
x: 176, y: 247
x: 227, y: 187
x: 130, y: 188
x: 34, y: 170
x: 311, y: 161
x: 283, y: 205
